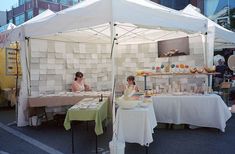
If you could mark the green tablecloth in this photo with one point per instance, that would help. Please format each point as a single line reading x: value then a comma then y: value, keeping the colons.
x: 97, y: 114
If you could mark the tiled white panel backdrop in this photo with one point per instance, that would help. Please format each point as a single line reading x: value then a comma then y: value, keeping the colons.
x: 53, y: 64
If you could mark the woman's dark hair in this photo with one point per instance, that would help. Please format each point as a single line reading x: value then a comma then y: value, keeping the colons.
x: 131, y: 78
x: 78, y: 75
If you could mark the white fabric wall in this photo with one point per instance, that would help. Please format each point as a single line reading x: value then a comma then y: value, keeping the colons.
x: 53, y: 64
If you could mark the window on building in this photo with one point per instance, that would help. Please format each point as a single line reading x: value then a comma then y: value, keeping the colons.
x: 29, y: 14
x: 75, y: 1
x: 175, y: 4
x: 41, y: 10
x: 19, y: 19
x: 54, y: 1
x: 10, y: 21
x: 63, y: 2
x: 21, y: 2
x: 58, y: 1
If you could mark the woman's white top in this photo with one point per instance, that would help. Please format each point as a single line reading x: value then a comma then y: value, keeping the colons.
x: 129, y: 90
x: 78, y: 86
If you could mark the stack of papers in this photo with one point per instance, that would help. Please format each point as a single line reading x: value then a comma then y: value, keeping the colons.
x: 84, y: 93
x: 86, y: 103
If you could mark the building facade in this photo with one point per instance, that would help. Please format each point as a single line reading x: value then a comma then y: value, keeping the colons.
x: 180, y: 4
x: 3, y: 19
x: 222, y: 12
x: 27, y: 9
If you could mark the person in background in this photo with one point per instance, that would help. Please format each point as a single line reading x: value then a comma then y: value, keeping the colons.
x: 131, y: 87
x: 79, y: 84
x: 221, y: 68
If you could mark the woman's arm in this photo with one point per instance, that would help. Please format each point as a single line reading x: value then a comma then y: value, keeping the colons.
x: 73, y: 87
x: 136, y: 88
x: 87, y: 87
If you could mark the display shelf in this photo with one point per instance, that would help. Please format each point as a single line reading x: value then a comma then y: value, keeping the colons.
x: 163, y: 74
x: 175, y: 74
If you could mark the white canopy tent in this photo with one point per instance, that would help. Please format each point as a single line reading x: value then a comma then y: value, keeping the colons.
x: 107, y: 21
x: 219, y: 37
x: 136, y: 21
x: 11, y: 36
x: 42, y: 16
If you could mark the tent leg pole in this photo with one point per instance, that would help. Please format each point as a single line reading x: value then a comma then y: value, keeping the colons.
x: 72, y: 133
x: 145, y: 82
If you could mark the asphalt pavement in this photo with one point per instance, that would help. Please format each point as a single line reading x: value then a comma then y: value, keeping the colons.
x: 11, y: 144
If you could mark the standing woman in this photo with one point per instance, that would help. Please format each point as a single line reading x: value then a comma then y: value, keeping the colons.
x: 131, y: 87
x: 79, y: 84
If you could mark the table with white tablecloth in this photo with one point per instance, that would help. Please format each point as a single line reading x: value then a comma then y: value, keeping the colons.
x: 136, y: 125
x: 198, y: 110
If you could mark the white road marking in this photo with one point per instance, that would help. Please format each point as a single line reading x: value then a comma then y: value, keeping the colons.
x: 29, y: 140
x: 11, y: 123
x: 3, y: 152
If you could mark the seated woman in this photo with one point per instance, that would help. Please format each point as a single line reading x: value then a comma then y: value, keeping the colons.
x: 131, y: 87
x: 79, y: 84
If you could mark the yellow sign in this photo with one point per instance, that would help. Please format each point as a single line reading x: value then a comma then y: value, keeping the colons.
x: 13, y: 66
x: 5, y: 81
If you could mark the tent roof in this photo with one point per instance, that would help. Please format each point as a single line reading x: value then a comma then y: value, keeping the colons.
x: 42, y: 16
x: 7, y: 27
x: 14, y: 34
x: 136, y: 21
x: 223, y: 38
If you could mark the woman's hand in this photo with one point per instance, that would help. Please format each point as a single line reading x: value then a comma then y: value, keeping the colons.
x: 87, y: 88
x: 136, y: 89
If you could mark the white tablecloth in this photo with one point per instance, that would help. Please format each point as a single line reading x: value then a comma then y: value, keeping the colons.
x: 202, y: 110
x: 136, y: 125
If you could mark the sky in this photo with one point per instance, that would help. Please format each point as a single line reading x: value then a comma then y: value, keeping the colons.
x: 6, y: 4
